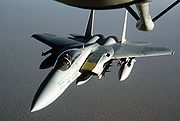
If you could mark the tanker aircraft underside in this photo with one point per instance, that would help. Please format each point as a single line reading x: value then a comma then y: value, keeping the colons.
x: 79, y: 57
x: 143, y: 18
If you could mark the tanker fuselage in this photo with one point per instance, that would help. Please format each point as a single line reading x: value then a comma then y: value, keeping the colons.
x: 101, y: 4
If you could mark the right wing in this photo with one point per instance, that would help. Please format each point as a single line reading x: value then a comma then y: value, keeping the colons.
x: 127, y: 50
x: 54, y: 41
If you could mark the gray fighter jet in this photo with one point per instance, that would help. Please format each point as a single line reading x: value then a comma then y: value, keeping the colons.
x: 78, y: 58
x: 144, y: 21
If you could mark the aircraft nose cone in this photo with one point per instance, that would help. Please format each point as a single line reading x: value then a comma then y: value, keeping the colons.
x: 48, y: 92
x: 35, y: 108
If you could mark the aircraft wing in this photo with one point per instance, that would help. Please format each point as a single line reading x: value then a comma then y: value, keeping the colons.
x: 54, y: 41
x: 126, y: 50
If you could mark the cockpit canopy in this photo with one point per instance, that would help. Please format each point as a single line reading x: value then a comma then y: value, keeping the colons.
x: 66, y: 59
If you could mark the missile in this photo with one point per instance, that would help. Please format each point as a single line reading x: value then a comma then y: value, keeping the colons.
x: 125, y: 69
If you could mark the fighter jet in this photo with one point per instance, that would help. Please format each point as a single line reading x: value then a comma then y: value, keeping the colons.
x: 78, y: 58
x: 144, y: 21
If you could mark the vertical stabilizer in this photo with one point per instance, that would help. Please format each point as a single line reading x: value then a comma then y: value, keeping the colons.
x: 89, y: 27
x: 123, y: 39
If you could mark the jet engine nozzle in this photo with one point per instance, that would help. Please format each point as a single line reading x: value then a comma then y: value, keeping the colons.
x: 126, y: 69
x: 145, y: 22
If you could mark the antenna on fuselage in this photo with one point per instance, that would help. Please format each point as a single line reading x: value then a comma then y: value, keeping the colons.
x: 89, y: 28
x: 123, y: 38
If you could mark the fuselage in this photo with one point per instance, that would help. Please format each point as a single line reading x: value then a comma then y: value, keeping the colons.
x: 59, y: 79
x: 101, y: 4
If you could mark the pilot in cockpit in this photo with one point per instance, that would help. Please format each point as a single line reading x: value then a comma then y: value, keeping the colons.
x: 66, y: 59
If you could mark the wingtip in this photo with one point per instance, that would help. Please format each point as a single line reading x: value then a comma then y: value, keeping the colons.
x: 173, y: 52
x: 33, y: 36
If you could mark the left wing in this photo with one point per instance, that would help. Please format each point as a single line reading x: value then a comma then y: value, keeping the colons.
x: 127, y: 50
x: 54, y: 41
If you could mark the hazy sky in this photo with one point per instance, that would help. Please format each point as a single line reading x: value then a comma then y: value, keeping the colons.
x: 152, y: 92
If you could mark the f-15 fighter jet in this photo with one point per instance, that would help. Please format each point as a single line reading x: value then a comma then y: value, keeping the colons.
x: 78, y: 58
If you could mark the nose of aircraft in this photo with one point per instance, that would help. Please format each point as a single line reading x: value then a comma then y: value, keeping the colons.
x: 47, y: 92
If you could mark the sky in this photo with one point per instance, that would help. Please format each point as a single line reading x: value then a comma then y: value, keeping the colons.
x: 152, y: 91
